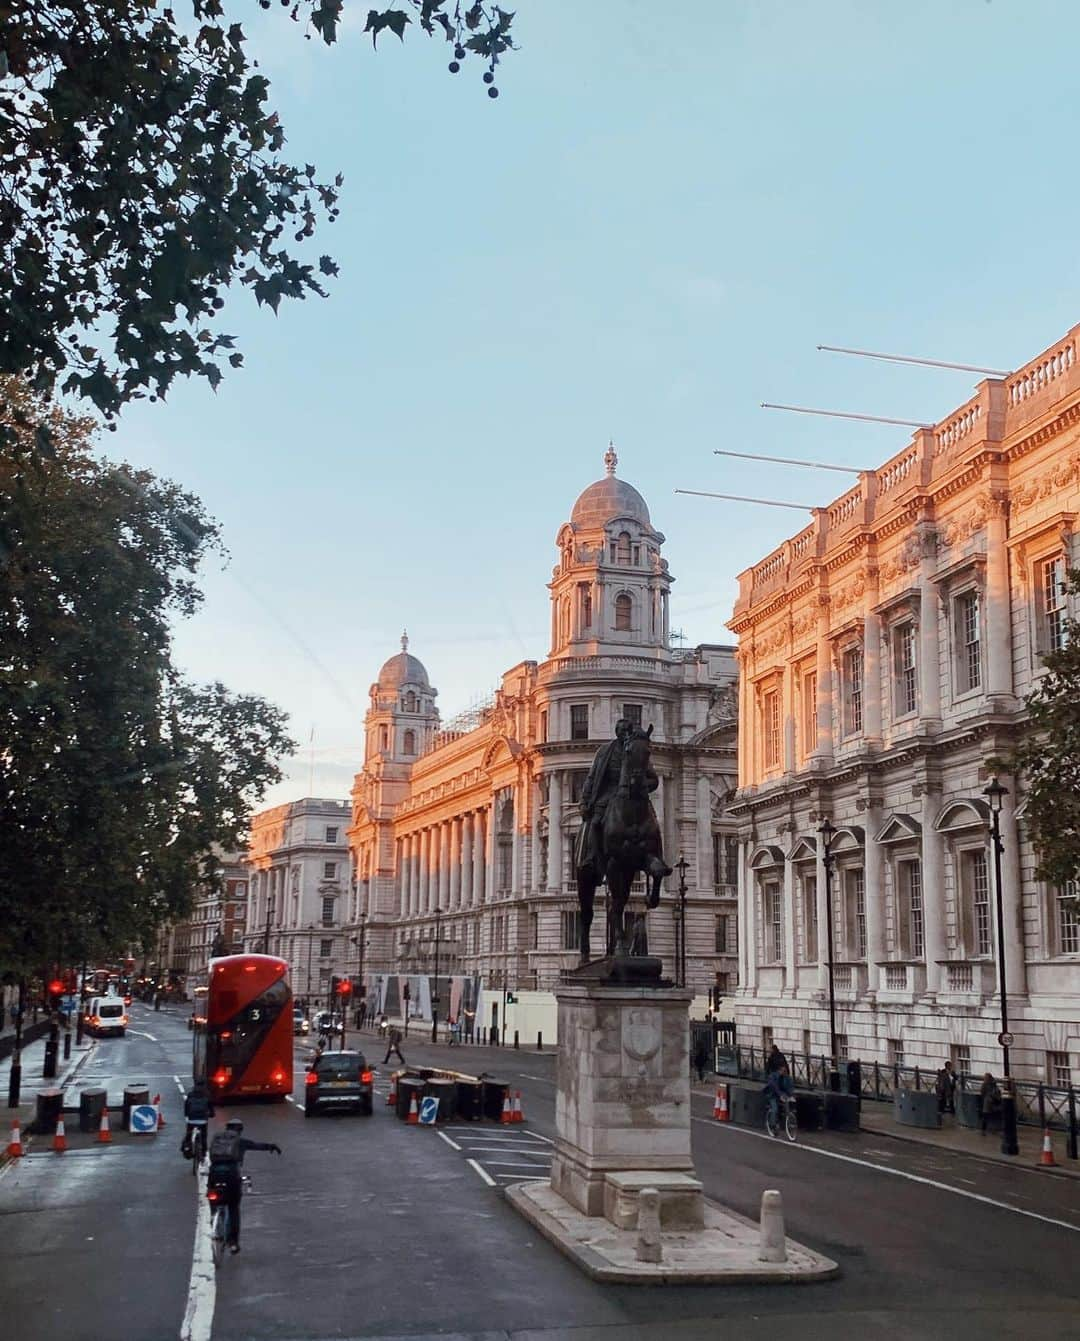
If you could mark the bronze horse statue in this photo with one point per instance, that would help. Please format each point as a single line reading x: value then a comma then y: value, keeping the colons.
x: 632, y: 846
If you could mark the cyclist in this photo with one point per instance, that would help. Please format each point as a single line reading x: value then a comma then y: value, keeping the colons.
x: 777, y: 1085
x: 227, y: 1151
x: 198, y: 1110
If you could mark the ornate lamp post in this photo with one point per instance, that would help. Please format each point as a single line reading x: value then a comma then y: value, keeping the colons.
x: 682, y: 865
x: 435, y: 994
x: 995, y: 793
x: 827, y: 831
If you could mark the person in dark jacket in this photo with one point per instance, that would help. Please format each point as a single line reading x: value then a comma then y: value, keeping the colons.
x: 701, y: 1056
x: 989, y: 1100
x: 226, y: 1171
x: 198, y: 1110
x: 946, y: 1089
x: 393, y: 1044
x: 776, y: 1061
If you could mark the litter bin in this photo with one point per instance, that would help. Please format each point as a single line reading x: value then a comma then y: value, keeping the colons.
x: 494, y: 1095
x: 91, y: 1107
x: 446, y: 1093
x: 409, y: 1088
x: 133, y: 1095
x: 854, y: 1080
x: 50, y: 1106
x: 470, y: 1100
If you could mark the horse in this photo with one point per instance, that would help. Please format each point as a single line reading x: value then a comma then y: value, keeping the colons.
x: 632, y: 845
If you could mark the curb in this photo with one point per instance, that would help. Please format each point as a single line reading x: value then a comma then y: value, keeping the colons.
x: 1057, y: 1171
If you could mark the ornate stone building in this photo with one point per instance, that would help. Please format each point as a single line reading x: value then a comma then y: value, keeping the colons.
x: 884, y: 652
x: 216, y: 924
x: 478, y: 818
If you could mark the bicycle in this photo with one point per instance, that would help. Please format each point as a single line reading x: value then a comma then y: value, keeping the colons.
x: 220, y: 1221
x: 772, y: 1116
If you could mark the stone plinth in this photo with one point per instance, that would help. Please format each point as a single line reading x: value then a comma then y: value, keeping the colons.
x: 623, y: 1097
x: 682, y: 1202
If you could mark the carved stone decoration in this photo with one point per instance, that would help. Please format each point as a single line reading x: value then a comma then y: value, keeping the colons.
x: 958, y: 529
x: 806, y: 623
x: 1058, y: 476
x: 850, y: 592
x: 723, y: 707
x: 904, y: 560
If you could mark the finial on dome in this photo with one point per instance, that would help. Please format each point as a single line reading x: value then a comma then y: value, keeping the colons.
x: 611, y: 459
x: 404, y: 640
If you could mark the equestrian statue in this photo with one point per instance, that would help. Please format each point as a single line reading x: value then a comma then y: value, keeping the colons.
x: 620, y: 838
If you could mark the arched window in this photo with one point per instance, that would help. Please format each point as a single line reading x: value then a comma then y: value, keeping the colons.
x: 409, y: 704
x: 566, y: 619
x: 624, y: 612
x: 384, y: 738
x: 409, y: 747
x: 622, y: 549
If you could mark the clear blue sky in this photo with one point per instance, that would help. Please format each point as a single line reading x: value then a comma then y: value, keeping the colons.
x: 644, y: 237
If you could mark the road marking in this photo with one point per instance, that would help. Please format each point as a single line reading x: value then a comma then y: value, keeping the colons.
x: 452, y: 1144
x: 202, y: 1287
x: 512, y: 1164
x: 289, y: 1099
x: 180, y: 1086
x: 141, y: 1034
x: 544, y: 1080
x: 902, y: 1173
x: 483, y: 1174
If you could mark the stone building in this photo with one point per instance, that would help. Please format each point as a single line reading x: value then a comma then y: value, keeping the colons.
x: 216, y: 924
x: 298, y: 859
x: 478, y: 818
x: 884, y: 652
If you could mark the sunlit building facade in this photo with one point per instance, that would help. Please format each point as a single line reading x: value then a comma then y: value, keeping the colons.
x: 884, y: 653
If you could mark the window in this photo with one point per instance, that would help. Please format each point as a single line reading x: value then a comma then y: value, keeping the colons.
x: 905, y: 688
x: 721, y: 943
x: 326, y: 949
x: 1052, y: 600
x: 960, y: 1056
x: 725, y: 848
x: 774, y: 922
x: 328, y: 912
x: 1068, y: 919
x: 329, y: 870
x: 771, y: 716
x: 909, y: 877
x: 855, y: 889
x: 624, y: 612
x: 534, y: 931
x: 969, y: 657
x: 384, y: 738
x: 766, y: 1038
x: 810, y: 922
x: 853, y: 691
x: 571, y: 930
x: 841, y: 1047
x: 894, y: 1051
x: 500, y: 933
x: 808, y: 700
x: 978, y: 883
x: 543, y: 725
x: 408, y: 745
x: 723, y: 984
x: 585, y: 604
x: 579, y: 721
x: 408, y: 703
x: 622, y: 548
x: 1058, y: 1071
x: 632, y: 713
x: 566, y: 619
x: 331, y: 834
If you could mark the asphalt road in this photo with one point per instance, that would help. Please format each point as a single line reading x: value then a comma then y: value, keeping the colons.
x: 369, y: 1228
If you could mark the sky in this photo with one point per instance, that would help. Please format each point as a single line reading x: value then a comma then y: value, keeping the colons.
x: 644, y: 237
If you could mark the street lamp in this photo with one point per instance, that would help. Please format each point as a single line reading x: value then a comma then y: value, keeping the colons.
x: 682, y: 865
x: 435, y: 994
x: 358, y: 941
x: 995, y: 793
x: 827, y: 831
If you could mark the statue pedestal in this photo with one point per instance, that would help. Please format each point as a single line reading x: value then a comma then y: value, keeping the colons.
x: 623, y: 1100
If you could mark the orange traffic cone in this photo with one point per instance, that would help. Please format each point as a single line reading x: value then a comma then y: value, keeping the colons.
x: 104, y: 1134
x: 391, y: 1098
x: 59, y: 1143
x: 507, y: 1110
x: 15, y: 1144
x: 1047, y: 1156
x: 720, y: 1104
x: 160, y: 1114
x: 414, y: 1113
x: 517, y: 1113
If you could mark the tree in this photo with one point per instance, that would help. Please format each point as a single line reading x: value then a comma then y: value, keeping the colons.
x: 116, y: 774
x: 143, y: 175
x: 1048, y: 758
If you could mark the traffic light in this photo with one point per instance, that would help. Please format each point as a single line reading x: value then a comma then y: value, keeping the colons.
x: 343, y: 987
x: 55, y: 990
x: 511, y: 999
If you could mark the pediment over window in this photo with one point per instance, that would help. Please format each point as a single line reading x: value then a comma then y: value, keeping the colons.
x: 899, y: 829
x: 766, y: 857
x: 849, y: 838
x: 967, y: 813
x: 805, y: 849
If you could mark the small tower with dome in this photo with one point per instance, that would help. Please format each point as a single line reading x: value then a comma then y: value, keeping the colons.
x: 402, y: 717
x: 610, y: 589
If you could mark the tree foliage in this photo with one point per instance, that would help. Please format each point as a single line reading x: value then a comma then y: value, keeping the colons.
x: 1048, y: 759
x: 143, y: 174
x: 116, y: 774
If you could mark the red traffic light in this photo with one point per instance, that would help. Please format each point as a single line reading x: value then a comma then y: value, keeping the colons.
x: 56, y: 987
x: 344, y: 987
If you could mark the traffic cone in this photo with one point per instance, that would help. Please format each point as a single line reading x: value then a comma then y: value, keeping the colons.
x: 15, y: 1144
x: 720, y: 1104
x: 59, y: 1143
x: 160, y: 1114
x: 517, y: 1112
x: 1047, y: 1156
x: 414, y: 1113
x: 507, y: 1110
x: 104, y: 1134
x: 391, y: 1098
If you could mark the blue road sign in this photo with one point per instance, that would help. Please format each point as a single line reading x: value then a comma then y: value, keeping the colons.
x: 429, y: 1108
x: 144, y: 1118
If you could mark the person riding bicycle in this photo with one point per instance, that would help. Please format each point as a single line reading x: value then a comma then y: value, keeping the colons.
x: 198, y: 1110
x: 778, y: 1085
x: 227, y: 1151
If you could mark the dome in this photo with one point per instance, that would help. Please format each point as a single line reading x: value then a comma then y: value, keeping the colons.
x: 403, y: 669
x: 609, y: 498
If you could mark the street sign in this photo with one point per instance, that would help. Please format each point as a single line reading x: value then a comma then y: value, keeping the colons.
x: 144, y: 1118
x: 429, y: 1109
x: 1005, y: 1040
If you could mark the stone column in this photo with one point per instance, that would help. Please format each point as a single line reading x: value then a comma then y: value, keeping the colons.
x: 998, y: 634
x: 466, y: 860
x: 425, y: 872
x: 871, y: 669
x: 874, y: 878
x: 929, y: 656
x: 704, y: 837
x: 932, y: 870
x: 790, y: 982
x: 824, y: 750
x: 414, y: 897
x: 1011, y: 899
x: 554, y: 871
x: 515, y: 843
x: 787, y: 702
x: 491, y: 850
x: 443, y: 895
x: 823, y: 914
x: 478, y: 890
x: 534, y: 880
x: 747, y: 927
x: 454, y: 896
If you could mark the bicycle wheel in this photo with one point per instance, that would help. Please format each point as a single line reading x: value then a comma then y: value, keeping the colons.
x: 790, y: 1124
x: 196, y: 1151
x: 771, y: 1123
x: 217, y: 1234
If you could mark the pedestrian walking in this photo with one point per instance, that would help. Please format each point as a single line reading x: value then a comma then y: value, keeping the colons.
x: 701, y: 1057
x: 989, y: 1101
x: 945, y: 1085
x: 393, y: 1044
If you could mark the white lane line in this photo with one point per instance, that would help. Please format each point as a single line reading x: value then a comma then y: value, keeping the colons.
x: 141, y: 1034
x: 180, y: 1086
x: 544, y: 1080
x: 902, y: 1173
x: 514, y: 1164
x: 452, y: 1144
x: 489, y: 1149
x: 482, y: 1172
x: 289, y: 1099
x: 202, y: 1288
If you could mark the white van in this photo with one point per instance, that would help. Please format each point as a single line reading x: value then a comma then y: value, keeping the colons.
x: 107, y: 1015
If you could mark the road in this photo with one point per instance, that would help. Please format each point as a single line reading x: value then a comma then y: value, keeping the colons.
x: 370, y: 1228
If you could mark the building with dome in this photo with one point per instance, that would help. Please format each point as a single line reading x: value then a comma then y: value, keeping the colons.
x: 462, y: 833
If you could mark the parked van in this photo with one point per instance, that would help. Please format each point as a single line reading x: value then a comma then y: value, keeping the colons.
x: 107, y: 1015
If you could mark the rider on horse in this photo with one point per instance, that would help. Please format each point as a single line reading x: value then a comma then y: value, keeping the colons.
x: 599, y: 787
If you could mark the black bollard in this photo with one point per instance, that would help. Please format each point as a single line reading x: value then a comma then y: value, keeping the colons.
x: 515, y: 1038
x: 48, y: 1070
x: 15, y: 1080
x: 67, y: 1044
x: 540, y: 1042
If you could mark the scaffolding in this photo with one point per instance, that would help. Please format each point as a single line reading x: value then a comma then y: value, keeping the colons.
x: 476, y: 714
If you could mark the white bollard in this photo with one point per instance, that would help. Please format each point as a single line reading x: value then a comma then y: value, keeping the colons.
x: 773, y: 1245
x: 648, y: 1225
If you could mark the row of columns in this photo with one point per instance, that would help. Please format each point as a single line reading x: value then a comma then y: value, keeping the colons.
x: 448, y: 865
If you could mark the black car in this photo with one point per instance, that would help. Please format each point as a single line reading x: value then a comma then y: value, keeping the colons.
x: 339, y: 1080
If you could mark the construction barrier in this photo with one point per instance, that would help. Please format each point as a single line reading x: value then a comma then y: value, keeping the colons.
x: 15, y: 1147
x: 720, y: 1105
x: 1046, y: 1158
x: 104, y: 1134
x: 59, y: 1137
x: 517, y: 1113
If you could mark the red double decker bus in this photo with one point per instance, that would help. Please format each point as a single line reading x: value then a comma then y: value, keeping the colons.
x: 243, y: 1029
